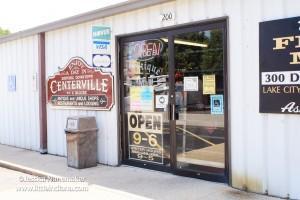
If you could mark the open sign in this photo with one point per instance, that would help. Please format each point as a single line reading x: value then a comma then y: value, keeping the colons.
x: 145, y: 50
x: 145, y: 122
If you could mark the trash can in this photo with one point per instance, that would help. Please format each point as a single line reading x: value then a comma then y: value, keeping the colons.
x: 81, y: 135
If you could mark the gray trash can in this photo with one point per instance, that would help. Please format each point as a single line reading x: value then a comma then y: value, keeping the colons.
x: 81, y: 134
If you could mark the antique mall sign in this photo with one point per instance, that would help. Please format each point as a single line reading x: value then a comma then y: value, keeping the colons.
x: 79, y: 86
x: 279, y: 60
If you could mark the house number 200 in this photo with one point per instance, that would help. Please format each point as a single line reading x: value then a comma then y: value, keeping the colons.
x: 167, y: 16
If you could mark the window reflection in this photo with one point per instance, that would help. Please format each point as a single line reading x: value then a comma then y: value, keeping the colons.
x: 199, y: 127
x: 146, y: 89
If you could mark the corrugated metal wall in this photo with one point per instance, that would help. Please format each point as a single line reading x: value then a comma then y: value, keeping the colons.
x: 61, y: 45
x: 19, y: 110
x: 264, y: 147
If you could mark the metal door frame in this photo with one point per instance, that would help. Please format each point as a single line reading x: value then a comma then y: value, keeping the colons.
x: 207, y: 173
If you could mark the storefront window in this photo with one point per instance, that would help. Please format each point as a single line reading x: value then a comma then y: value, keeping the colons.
x: 146, y: 90
x: 174, y: 115
x: 199, y: 93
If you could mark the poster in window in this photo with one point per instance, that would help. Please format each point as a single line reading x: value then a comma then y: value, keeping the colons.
x: 142, y: 98
x: 145, y: 137
x: 209, y: 84
x: 216, y: 105
x: 190, y: 83
x: 161, y: 101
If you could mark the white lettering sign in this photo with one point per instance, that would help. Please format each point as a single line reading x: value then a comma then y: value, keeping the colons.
x: 291, y: 108
x: 280, y: 78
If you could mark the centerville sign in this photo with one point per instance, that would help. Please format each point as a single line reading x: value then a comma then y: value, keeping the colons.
x: 79, y: 86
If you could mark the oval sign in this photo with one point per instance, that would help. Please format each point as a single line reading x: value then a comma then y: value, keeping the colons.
x: 145, y: 50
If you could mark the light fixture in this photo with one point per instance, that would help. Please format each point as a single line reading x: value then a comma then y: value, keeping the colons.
x: 184, y: 42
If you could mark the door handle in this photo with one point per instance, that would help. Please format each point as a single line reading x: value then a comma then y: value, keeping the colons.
x: 173, y: 111
x: 169, y: 111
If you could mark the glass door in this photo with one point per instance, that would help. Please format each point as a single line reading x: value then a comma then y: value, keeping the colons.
x: 145, y: 104
x: 199, y: 104
x: 173, y: 90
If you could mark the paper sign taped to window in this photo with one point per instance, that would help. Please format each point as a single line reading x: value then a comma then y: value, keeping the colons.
x: 209, y: 84
x: 190, y: 83
x: 216, y: 105
x: 141, y: 98
x: 161, y: 101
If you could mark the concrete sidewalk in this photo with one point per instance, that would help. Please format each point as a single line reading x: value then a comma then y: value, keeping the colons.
x: 126, y: 180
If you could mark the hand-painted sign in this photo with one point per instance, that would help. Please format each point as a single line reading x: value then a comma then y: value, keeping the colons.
x: 145, y: 136
x: 279, y: 57
x: 79, y: 86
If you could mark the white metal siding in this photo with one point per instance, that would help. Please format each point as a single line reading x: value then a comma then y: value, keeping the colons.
x: 264, y: 147
x: 19, y: 121
x: 61, y: 45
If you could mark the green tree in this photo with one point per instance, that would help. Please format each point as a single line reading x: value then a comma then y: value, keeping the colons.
x: 200, y: 59
x: 4, y: 32
x: 213, y: 58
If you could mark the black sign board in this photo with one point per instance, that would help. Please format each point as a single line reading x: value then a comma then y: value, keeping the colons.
x: 279, y: 60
